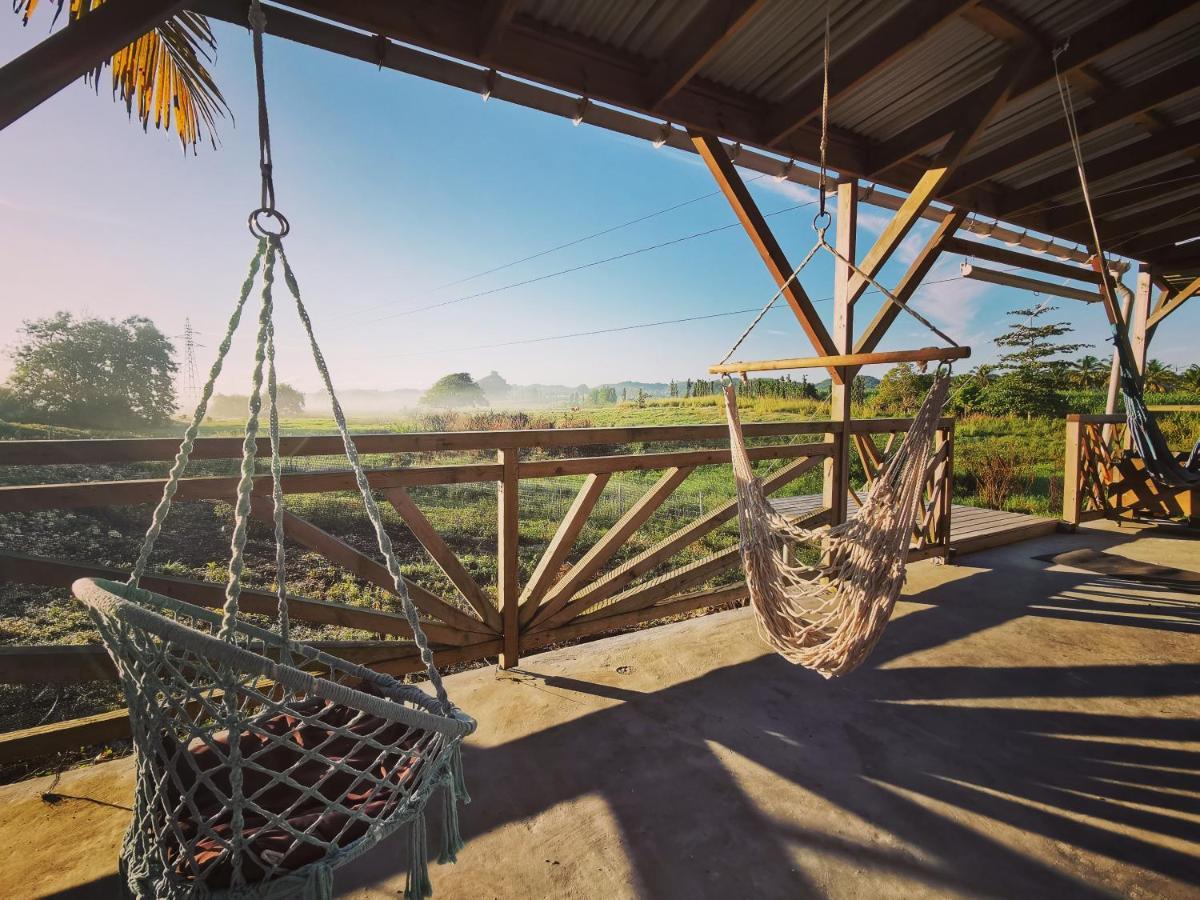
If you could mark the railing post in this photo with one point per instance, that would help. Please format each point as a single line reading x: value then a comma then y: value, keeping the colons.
x: 946, y: 436
x: 836, y: 484
x: 1072, y: 500
x: 508, y: 527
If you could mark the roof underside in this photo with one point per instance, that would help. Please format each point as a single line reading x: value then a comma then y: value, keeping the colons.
x: 903, y: 75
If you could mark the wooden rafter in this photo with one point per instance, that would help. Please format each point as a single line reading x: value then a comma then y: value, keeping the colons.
x: 601, y: 552
x: 1106, y: 110
x: 912, y: 279
x: 730, y: 182
x: 1038, y: 263
x: 494, y: 18
x: 70, y: 53
x: 1000, y: 87
x: 921, y: 134
x: 560, y: 545
x: 1063, y: 217
x: 717, y: 22
x: 890, y: 39
x: 1164, y: 238
x: 1172, y: 302
x: 446, y: 559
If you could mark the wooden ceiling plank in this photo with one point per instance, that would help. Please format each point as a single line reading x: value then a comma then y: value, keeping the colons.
x: 730, y: 182
x: 710, y: 31
x: 71, y: 52
x: 888, y: 40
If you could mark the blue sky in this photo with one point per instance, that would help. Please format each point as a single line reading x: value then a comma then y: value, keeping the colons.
x: 396, y: 186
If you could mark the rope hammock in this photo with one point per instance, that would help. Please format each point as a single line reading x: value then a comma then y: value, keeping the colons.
x: 829, y: 617
x: 263, y: 763
x: 1144, y: 434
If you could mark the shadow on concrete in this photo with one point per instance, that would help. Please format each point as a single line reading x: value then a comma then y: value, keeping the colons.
x: 883, y: 745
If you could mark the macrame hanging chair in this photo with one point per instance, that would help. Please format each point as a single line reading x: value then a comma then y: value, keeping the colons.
x: 263, y: 763
x: 1146, y: 437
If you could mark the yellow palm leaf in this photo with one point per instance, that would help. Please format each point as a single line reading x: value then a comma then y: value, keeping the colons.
x: 164, y: 73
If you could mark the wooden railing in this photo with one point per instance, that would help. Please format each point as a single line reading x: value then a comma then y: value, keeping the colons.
x: 570, y: 593
x: 1103, y: 479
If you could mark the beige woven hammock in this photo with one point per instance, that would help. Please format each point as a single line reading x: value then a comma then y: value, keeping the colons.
x: 829, y: 617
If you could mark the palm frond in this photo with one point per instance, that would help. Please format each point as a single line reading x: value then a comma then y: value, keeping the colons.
x: 163, y: 74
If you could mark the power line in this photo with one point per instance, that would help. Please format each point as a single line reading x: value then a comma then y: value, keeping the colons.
x: 563, y: 246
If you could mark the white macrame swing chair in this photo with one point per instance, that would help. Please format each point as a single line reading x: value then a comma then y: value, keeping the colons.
x: 828, y: 617
x: 263, y: 763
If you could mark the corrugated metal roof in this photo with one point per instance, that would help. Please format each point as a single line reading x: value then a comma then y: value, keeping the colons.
x: 641, y: 27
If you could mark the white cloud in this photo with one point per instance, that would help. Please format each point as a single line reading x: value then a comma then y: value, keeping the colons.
x: 953, y: 304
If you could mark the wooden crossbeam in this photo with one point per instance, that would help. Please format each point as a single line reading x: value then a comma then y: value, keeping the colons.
x: 1010, y: 279
x: 70, y: 53
x: 891, y: 38
x: 560, y: 545
x: 618, y: 578
x: 359, y: 564
x: 1172, y: 302
x: 601, y: 552
x: 1106, y: 110
x: 711, y: 29
x: 62, y: 573
x: 926, y: 354
x: 447, y: 560
x: 1035, y: 262
x: 730, y: 182
x: 917, y: 270
x: 999, y: 89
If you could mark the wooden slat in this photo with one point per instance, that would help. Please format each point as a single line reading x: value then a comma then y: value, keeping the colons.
x: 446, y: 558
x: 615, y: 580
x: 593, y: 625
x: 62, y: 573
x: 560, y: 545
x: 711, y: 29
x: 1009, y: 279
x: 114, y: 450
x: 359, y: 564
x: 508, y: 528
x: 666, y: 585
x: 730, y: 182
x: 1036, y: 262
x: 25, y: 498
x: 925, y: 354
x: 594, y: 465
x: 600, y: 553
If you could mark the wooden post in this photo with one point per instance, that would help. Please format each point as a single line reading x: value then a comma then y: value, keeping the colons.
x: 1138, y: 338
x: 508, y: 524
x: 946, y: 436
x: 836, y: 484
x: 1072, y: 500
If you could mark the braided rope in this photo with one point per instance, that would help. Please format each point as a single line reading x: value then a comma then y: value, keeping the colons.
x: 364, y: 487
x: 277, y: 503
x: 184, y: 455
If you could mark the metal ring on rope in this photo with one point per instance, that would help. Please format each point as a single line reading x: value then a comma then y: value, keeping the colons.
x: 258, y: 227
x: 824, y: 215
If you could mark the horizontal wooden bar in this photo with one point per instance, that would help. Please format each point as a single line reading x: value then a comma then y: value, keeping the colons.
x: 62, y: 573
x: 886, y: 426
x: 596, y: 465
x: 72, y: 734
x: 1096, y: 418
x: 925, y: 354
x: 112, y: 450
x: 1008, y: 279
x: 23, y: 498
x: 1038, y: 263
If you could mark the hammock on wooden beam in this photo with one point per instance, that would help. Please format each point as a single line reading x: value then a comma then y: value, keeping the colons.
x: 828, y: 617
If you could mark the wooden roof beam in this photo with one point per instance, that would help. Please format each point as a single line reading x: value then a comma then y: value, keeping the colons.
x: 1178, y: 140
x: 1108, y: 109
x: 709, y: 31
x: 730, y: 182
x: 494, y: 18
x: 71, y: 52
x: 920, y: 135
x: 1002, y: 255
x: 890, y: 39
x: 1059, y: 219
x: 1172, y: 302
x: 999, y: 89
x: 1165, y: 238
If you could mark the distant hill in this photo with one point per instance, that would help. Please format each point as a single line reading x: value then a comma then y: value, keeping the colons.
x: 361, y: 403
x: 823, y: 386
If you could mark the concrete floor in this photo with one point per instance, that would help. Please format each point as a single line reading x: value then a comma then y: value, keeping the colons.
x: 1023, y: 729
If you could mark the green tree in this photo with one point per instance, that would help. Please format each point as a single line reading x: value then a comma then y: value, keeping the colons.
x: 1159, y: 377
x: 1032, y: 367
x: 1088, y: 372
x: 455, y: 389
x: 901, y: 391
x: 94, y: 373
x: 1190, y: 377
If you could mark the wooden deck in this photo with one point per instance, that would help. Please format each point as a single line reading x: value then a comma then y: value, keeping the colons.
x: 972, y: 528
